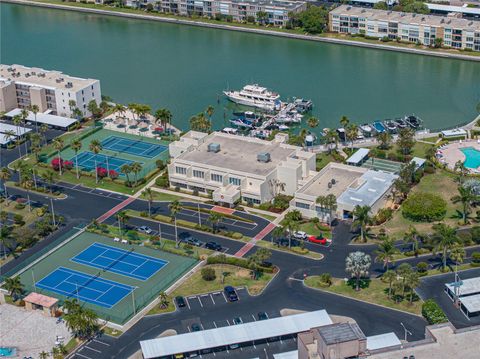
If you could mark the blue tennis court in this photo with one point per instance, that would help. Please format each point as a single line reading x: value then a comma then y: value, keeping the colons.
x: 85, y: 287
x: 136, y: 148
x: 120, y: 261
x: 87, y: 159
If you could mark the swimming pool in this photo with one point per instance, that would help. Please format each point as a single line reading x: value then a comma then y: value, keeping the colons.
x: 472, y: 157
x: 7, y: 352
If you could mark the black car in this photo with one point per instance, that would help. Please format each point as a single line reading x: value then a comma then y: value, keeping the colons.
x: 230, y: 293
x: 195, y: 327
x: 237, y: 320
x: 262, y: 316
x: 213, y: 246
x: 180, y: 302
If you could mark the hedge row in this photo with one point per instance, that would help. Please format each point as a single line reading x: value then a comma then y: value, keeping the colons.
x: 226, y: 215
x: 432, y: 312
x: 239, y: 262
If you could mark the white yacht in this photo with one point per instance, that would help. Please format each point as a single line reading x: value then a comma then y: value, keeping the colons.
x: 255, y: 96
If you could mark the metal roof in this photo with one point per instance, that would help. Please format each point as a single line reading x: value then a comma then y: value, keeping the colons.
x: 455, y: 132
x: 419, y: 162
x: 17, y: 130
x: 358, y: 156
x: 286, y: 355
x: 382, y: 341
x: 468, y: 286
x: 471, y: 303
x: 340, y: 333
x: 451, y: 8
x: 47, y: 119
x: 233, y: 334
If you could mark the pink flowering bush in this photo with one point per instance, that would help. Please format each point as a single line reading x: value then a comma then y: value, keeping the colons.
x: 113, y: 174
x: 101, y: 172
x: 57, y: 162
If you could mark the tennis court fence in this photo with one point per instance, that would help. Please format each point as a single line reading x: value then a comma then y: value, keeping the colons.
x: 129, y: 306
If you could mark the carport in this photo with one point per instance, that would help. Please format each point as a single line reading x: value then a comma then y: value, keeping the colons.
x: 470, y: 305
x: 233, y: 336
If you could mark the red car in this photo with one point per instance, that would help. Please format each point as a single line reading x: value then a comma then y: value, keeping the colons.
x: 318, y: 240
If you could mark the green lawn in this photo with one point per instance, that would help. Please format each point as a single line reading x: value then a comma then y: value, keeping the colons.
x: 375, y: 293
x: 312, y: 229
x: 167, y: 197
x: 324, y: 159
x: 442, y: 183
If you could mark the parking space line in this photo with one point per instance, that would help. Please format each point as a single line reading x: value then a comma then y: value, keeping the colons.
x: 83, y: 356
x: 228, y: 322
x: 188, y: 304
x: 211, y: 296
x: 224, y: 297
x: 254, y: 318
x: 215, y: 324
x: 99, y: 341
x: 95, y: 350
x: 200, y: 301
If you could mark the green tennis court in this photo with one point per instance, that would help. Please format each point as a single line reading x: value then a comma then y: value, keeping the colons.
x: 378, y: 164
x: 62, y: 275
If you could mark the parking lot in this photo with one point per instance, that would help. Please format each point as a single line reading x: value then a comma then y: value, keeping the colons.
x: 208, y: 300
x: 225, y: 221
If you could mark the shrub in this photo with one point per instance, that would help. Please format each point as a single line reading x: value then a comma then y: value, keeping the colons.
x: 475, y: 232
x: 160, y: 165
x: 326, y: 279
x: 424, y: 207
x: 383, y: 215
x: 102, y: 172
x: 68, y: 165
x: 18, y: 219
x: 56, y: 163
x: 422, y: 267
x: 208, y: 274
x: 113, y: 174
x: 476, y: 257
x: 432, y: 312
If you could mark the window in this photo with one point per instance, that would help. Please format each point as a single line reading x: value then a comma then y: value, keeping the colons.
x: 251, y: 200
x: 235, y: 181
x: 216, y: 178
x: 302, y: 205
x: 181, y: 170
x: 198, y: 174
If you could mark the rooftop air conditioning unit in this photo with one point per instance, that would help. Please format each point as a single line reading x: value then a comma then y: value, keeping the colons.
x: 263, y: 157
x: 214, y: 147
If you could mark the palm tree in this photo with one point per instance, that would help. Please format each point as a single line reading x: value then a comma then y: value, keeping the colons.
x: 163, y: 299
x: 27, y: 183
x: 412, y: 280
x: 49, y: 177
x: 344, y: 121
x: 291, y: 226
x: 389, y: 277
x: 5, y: 175
x: 312, y: 122
x: 76, y: 146
x: 361, y: 218
x: 385, y: 138
x: 43, y: 355
x: 43, y: 132
x: 175, y: 207
x: 444, y: 237
x: 95, y: 146
x: 164, y: 116
x: 457, y: 254
x: 35, y: 110
x: 277, y: 233
x: 385, y: 252
x: 331, y: 205
x: 411, y: 236
x: 136, y: 168
x: 14, y: 286
x: 20, y: 167
x: 35, y: 144
x: 214, y: 218
x: 331, y: 136
x: 351, y: 133
x: 122, y: 218
x: 461, y: 170
x: 466, y: 197
x: 147, y: 193
x: 126, y: 169
x: 9, y: 135
x: 17, y: 120
x: 209, y: 111
x: 81, y: 321
x: 24, y: 115
x: 58, y: 144
x: 357, y: 264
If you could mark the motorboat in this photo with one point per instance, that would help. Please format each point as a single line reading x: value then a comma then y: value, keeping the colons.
x: 400, y: 122
x: 283, y: 127
x: 248, y: 115
x: 390, y: 126
x: 379, y: 127
x: 302, y: 105
x: 241, y: 123
x: 255, y: 96
x: 366, y: 129
x: 230, y: 130
x: 413, y: 121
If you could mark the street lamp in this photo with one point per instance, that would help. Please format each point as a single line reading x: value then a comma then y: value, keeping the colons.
x: 53, y: 211
x: 406, y: 331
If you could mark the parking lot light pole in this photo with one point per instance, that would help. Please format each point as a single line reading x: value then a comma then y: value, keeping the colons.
x: 199, y: 217
x: 53, y: 211
x: 406, y: 331
x: 159, y: 231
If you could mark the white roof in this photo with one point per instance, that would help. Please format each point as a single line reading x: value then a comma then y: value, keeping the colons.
x: 455, y: 132
x: 287, y: 355
x: 358, y: 156
x: 4, y: 140
x: 469, y: 286
x: 419, y: 162
x: 382, y: 341
x: 240, y: 333
x: 47, y: 119
x: 451, y: 8
x: 6, y: 127
x: 471, y: 303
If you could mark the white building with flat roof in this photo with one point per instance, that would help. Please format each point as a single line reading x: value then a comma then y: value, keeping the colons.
x: 351, y: 185
x: 238, y: 168
x: 51, y: 91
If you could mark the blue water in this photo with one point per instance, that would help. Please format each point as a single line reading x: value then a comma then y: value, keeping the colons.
x: 6, y: 352
x: 472, y: 157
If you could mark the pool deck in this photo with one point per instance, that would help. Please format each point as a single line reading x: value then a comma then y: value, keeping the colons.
x: 452, y: 153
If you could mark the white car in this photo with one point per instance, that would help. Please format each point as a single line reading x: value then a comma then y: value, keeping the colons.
x: 300, y: 235
x: 145, y: 229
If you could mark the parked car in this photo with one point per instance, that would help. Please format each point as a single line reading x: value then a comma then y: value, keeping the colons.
x: 195, y: 327
x: 213, y: 246
x: 180, y: 301
x: 317, y: 239
x: 230, y: 293
x: 284, y: 242
x: 145, y: 229
x: 188, y: 238
x: 300, y: 235
x: 262, y: 316
x: 237, y: 320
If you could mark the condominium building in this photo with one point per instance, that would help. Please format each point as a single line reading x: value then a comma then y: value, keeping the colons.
x: 416, y: 28
x: 240, y: 10
x: 52, y: 91
x: 235, y: 168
